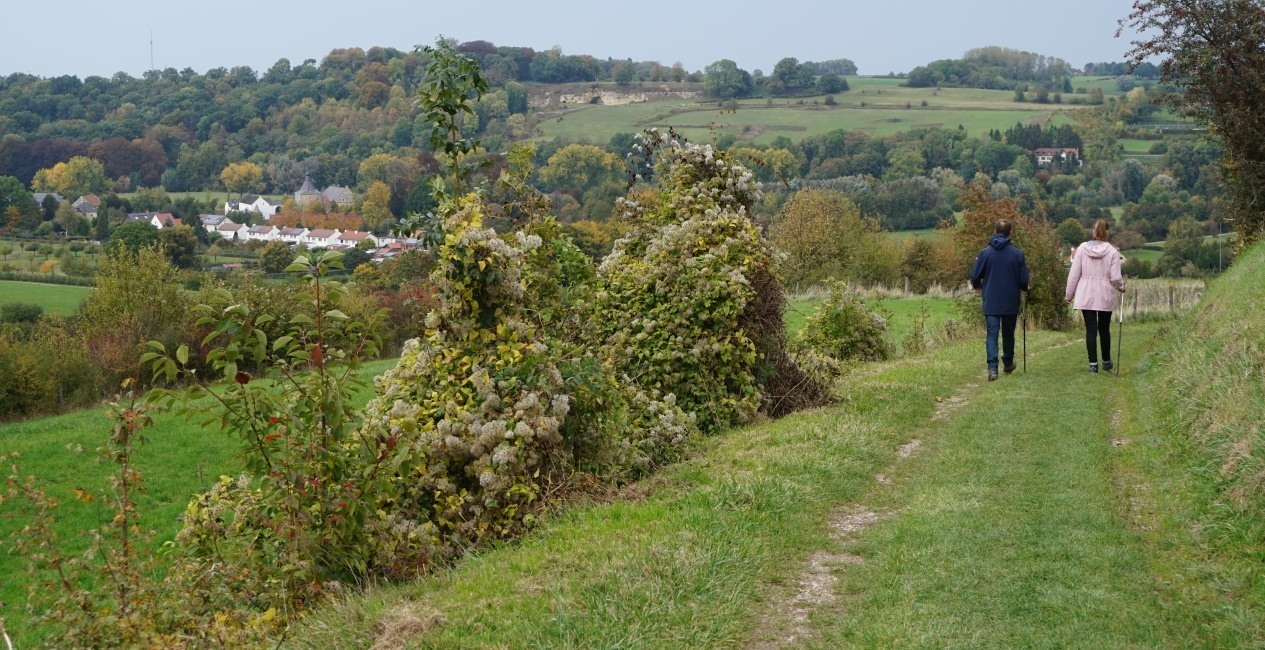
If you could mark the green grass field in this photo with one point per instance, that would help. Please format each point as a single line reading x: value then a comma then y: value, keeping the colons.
x: 179, y: 460
x: 923, y: 233
x: 54, y: 298
x: 877, y: 105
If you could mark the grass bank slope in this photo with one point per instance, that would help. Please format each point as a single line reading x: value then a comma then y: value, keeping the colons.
x: 1052, y: 508
x: 1214, y: 369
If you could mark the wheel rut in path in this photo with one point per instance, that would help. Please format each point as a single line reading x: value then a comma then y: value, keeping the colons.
x: 787, y: 625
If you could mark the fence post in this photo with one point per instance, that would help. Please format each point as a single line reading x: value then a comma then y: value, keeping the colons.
x: 1172, y: 292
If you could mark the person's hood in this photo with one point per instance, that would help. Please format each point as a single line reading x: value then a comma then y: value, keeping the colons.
x: 999, y: 242
x: 1096, y: 249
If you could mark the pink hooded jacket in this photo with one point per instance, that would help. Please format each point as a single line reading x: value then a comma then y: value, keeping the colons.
x: 1095, y: 280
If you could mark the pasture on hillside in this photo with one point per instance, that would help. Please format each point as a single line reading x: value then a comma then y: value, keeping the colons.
x: 54, y: 298
x: 878, y: 105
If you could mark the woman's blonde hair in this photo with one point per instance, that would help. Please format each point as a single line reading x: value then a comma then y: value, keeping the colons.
x: 1100, y: 229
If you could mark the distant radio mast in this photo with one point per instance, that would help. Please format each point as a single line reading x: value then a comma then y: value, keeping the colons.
x: 151, y: 49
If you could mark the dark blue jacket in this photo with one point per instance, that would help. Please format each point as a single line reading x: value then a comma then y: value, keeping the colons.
x: 1003, y: 272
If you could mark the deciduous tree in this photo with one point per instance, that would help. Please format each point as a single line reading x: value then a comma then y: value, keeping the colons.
x: 78, y: 176
x: 1215, y: 51
x: 242, y: 177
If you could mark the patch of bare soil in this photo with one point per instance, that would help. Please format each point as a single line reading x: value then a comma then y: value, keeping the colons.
x: 404, y: 623
x: 787, y: 625
x: 906, y: 450
x: 948, y: 406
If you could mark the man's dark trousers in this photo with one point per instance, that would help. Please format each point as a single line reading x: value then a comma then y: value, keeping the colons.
x: 1006, y: 326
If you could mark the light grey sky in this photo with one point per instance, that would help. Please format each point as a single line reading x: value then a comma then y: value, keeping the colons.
x: 91, y: 37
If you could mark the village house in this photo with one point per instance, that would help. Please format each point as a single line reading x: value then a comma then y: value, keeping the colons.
x: 263, y: 233
x: 1047, y: 155
x: 321, y: 238
x: 252, y: 203
x: 339, y: 195
x: 308, y: 195
x: 292, y: 236
x: 352, y: 238
x: 158, y: 220
x: 392, y: 247
x: 232, y: 231
x: 211, y: 221
x: 87, y: 206
x: 40, y: 196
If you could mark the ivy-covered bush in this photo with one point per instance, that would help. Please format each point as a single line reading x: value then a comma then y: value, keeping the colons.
x: 475, y: 408
x: 672, y: 307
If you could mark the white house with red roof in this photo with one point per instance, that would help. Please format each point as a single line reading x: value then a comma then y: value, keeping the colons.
x: 353, y: 238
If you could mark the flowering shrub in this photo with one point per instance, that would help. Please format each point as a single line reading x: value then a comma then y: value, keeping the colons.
x: 672, y: 295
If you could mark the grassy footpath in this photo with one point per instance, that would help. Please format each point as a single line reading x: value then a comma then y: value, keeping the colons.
x: 1043, y: 510
x: 1006, y: 528
x: 686, y: 559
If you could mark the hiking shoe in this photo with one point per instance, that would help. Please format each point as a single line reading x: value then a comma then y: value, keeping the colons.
x: 1093, y: 367
x: 1107, y: 366
x: 1009, y: 368
x: 992, y: 374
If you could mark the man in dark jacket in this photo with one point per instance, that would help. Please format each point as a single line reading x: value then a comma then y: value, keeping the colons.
x: 1002, y: 272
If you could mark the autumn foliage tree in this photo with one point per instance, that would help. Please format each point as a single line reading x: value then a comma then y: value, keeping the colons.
x: 242, y: 177
x: 824, y: 237
x: 1215, y: 52
x: 1032, y: 233
x: 78, y: 176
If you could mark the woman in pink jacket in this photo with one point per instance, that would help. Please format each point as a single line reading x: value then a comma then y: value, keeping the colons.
x: 1094, y: 286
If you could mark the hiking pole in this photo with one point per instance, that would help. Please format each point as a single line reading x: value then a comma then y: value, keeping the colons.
x: 1120, y: 339
x: 1025, y: 332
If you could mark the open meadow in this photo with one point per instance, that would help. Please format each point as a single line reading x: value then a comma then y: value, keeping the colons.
x: 877, y: 105
x: 54, y: 298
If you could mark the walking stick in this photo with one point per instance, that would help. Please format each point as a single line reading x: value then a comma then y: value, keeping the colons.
x: 1120, y: 339
x: 1025, y: 332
